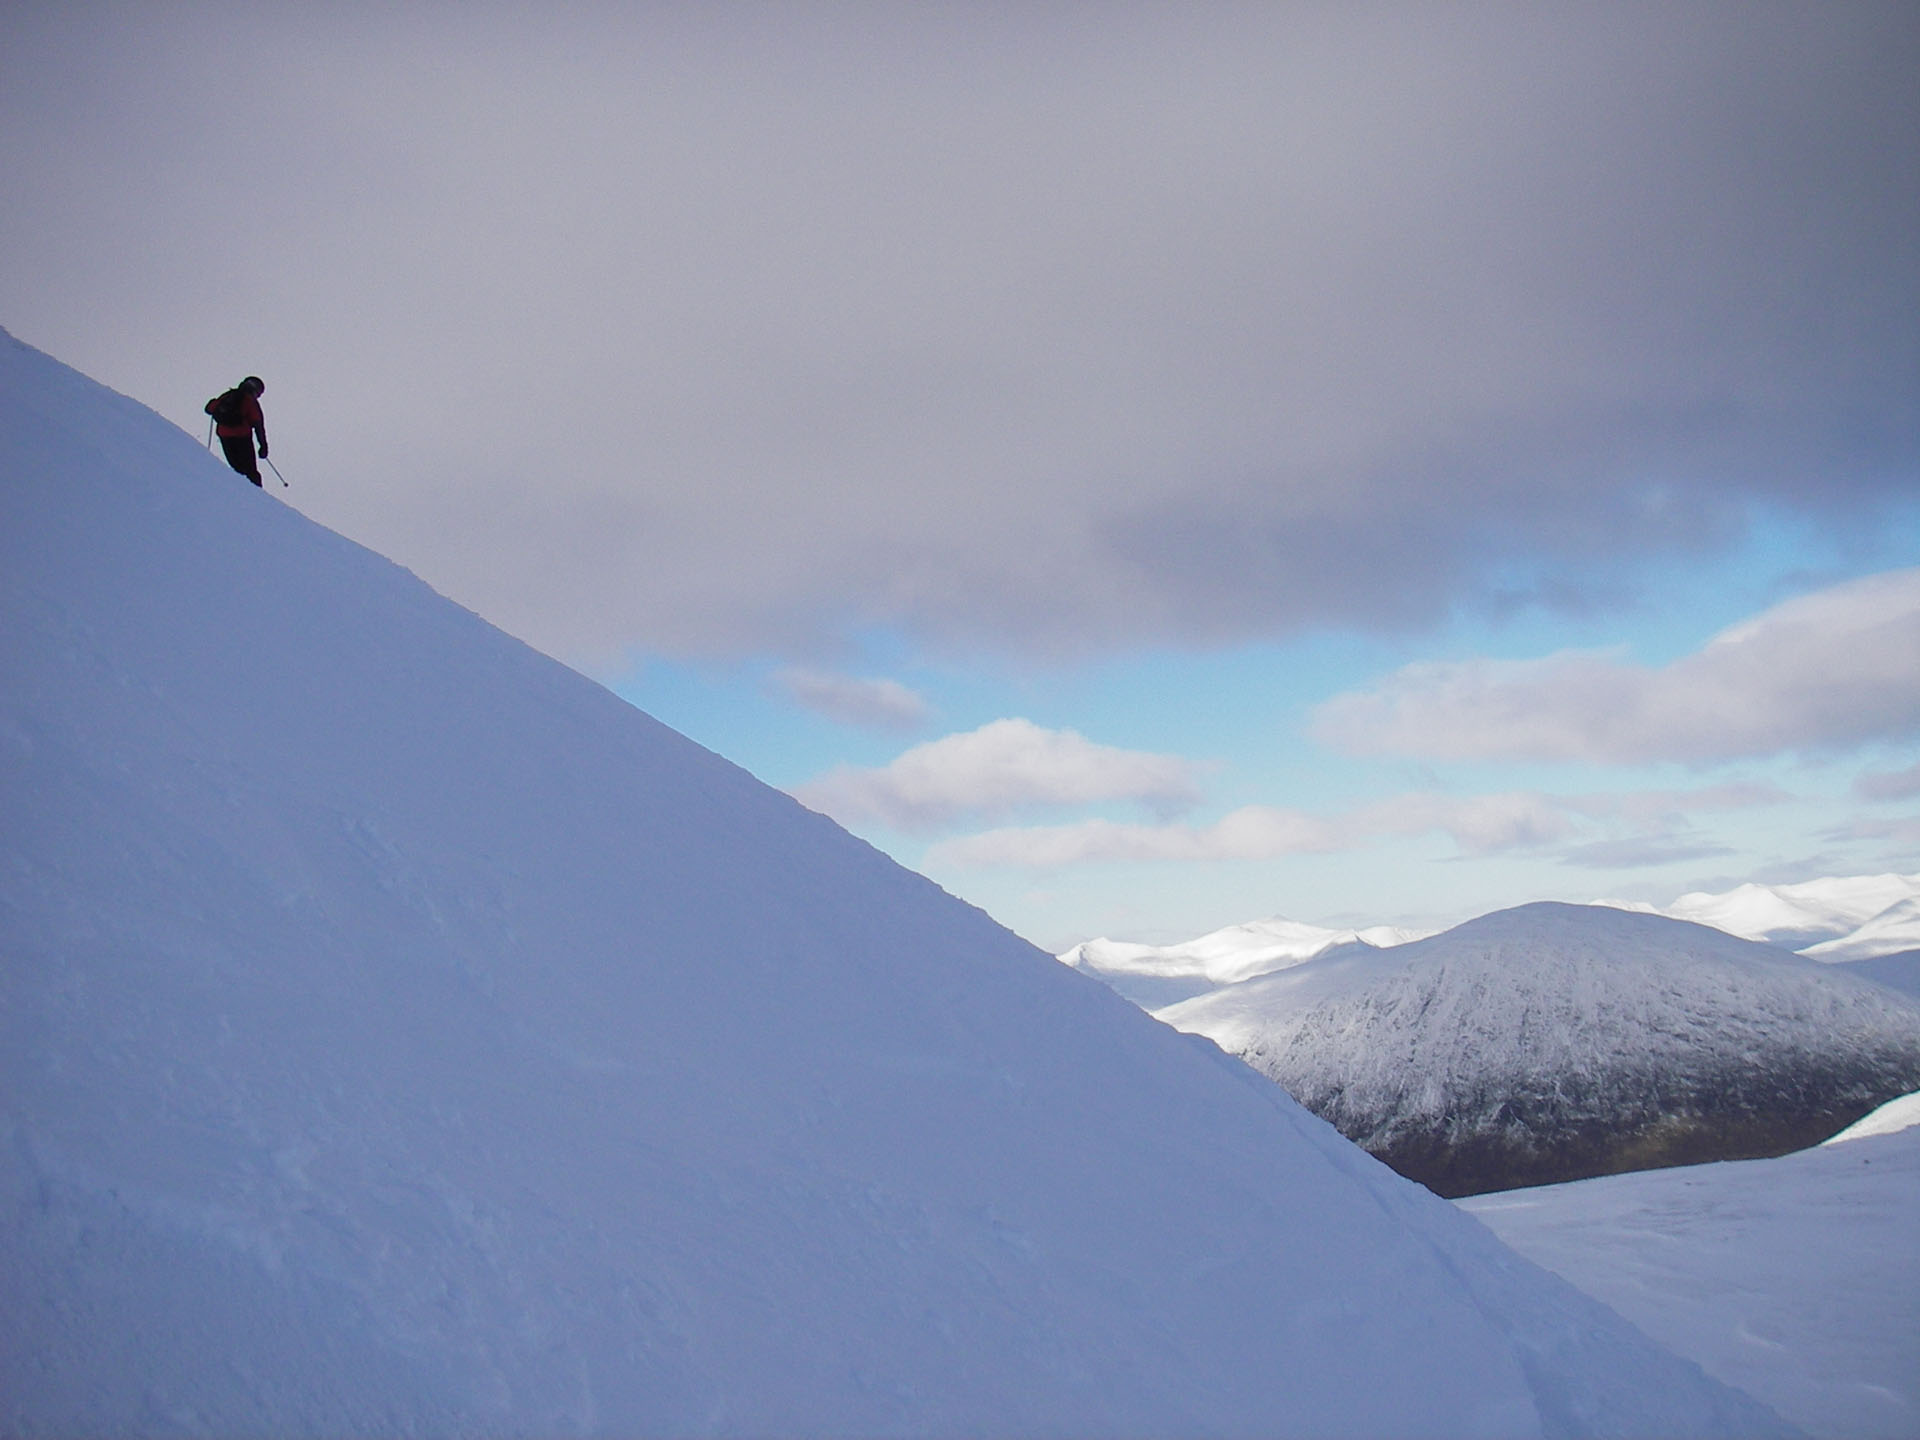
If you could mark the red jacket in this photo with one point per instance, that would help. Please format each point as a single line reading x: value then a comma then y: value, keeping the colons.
x: 250, y: 419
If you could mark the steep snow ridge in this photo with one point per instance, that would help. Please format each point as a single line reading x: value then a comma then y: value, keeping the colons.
x: 403, y: 1035
x: 1552, y: 1041
x: 1157, y: 975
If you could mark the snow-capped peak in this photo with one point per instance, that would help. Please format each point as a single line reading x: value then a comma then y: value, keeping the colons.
x: 1837, y: 918
x: 1893, y: 930
x: 1155, y: 975
x: 1550, y: 1041
x: 1801, y: 915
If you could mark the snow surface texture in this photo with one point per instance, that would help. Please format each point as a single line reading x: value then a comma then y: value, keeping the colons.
x: 404, y: 1035
x: 1897, y: 972
x: 1554, y: 1041
x: 1797, y: 1279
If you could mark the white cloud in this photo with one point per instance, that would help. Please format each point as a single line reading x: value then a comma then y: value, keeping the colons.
x: 1655, y: 808
x: 1479, y: 825
x: 1002, y: 328
x: 1888, y: 784
x: 1641, y: 852
x: 1833, y: 669
x: 850, y: 700
x: 1000, y: 769
x: 1634, y: 829
x: 1254, y: 832
x: 1900, y: 831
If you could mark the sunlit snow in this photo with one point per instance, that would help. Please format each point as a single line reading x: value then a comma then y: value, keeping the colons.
x: 402, y: 1035
x: 1888, y: 1119
x: 1797, y: 1278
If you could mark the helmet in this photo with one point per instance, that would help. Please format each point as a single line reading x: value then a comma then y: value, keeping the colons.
x: 255, y: 384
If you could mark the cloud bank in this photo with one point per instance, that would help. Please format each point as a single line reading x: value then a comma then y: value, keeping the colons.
x: 998, y: 770
x: 871, y: 704
x: 1888, y: 784
x: 1479, y: 825
x: 725, y: 330
x: 1832, y: 670
x: 1636, y: 829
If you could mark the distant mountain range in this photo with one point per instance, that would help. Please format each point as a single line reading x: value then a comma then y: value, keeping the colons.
x: 1843, y: 918
x: 1152, y: 975
x: 1837, y: 918
x: 1553, y: 1042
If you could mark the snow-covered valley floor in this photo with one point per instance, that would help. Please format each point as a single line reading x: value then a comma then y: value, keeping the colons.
x: 1796, y: 1279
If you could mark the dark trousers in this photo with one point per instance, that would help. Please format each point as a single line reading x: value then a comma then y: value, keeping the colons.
x: 239, y: 450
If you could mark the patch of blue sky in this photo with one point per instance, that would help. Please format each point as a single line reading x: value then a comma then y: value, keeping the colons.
x: 1667, y: 608
x: 1412, y: 880
x: 1243, y: 714
x: 736, y: 709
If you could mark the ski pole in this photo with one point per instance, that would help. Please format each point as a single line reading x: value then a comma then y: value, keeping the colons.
x: 276, y: 471
x: 209, y: 432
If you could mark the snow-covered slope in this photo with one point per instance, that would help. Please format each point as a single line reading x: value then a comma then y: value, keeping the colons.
x: 1897, y: 972
x: 1796, y: 1278
x: 403, y: 1035
x: 1157, y: 975
x: 1893, y: 930
x: 1890, y: 1119
x: 1554, y: 1041
x: 1806, y: 914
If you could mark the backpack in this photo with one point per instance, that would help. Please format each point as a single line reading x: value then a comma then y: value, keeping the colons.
x: 229, y: 409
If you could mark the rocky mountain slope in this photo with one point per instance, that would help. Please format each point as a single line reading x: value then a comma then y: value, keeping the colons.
x: 1556, y: 1041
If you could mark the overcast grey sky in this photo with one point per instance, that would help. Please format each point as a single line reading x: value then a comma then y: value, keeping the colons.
x: 1360, y: 461
x: 1045, y: 328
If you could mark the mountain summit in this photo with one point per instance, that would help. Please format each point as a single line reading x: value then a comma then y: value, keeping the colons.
x: 1551, y: 1042
x: 404, y: 1035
